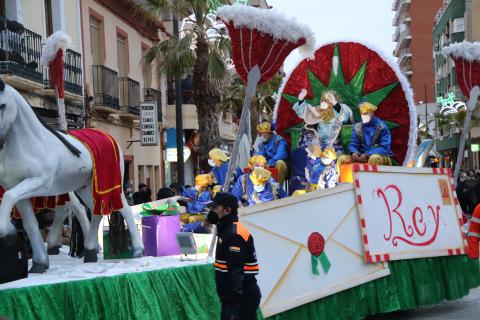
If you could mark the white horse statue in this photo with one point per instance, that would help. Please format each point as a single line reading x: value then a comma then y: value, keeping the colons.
x: 36, y: 160
x: 74, y: 206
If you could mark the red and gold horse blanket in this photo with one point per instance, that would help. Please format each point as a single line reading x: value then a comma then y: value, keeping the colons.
x: 107, y: 178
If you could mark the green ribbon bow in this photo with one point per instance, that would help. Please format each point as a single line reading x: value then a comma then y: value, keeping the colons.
x: 323, y: 261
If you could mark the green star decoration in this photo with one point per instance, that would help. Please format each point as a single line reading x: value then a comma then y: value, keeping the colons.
x: 351, y: 93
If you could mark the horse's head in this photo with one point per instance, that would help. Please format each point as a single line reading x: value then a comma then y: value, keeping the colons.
x: 8, y: 110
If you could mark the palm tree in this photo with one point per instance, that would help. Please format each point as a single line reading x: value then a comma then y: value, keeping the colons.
x: 263, y: 102
x: 201, y: 51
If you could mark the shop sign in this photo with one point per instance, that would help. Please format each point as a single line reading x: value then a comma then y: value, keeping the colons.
x: 171, y: 154
x: 148, y: 123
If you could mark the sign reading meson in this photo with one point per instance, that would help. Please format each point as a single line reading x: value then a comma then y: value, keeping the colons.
x: 148, y: 123
x: 408, y: 213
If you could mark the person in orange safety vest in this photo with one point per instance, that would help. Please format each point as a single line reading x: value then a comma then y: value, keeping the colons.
x: 474, y: 233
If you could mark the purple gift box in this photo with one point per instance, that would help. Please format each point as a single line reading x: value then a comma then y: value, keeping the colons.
x: 159, y: 235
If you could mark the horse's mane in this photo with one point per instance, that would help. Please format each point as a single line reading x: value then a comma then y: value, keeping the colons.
x: 56, y: 133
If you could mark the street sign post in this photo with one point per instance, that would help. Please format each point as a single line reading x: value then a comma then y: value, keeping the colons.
x: 148, y: 123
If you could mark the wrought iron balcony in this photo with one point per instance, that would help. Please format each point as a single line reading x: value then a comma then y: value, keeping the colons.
x: 150, y: 94
x: 20, y: 51
x: 105, y: 87
x: 72, y: 72
x: 129, y: 95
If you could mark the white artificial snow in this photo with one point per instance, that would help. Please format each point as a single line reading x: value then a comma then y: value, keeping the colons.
x: 401, y: 78
x: 269, y: 21
x: 58, y: 40
x: 64, y: 268
x: 469, y: 51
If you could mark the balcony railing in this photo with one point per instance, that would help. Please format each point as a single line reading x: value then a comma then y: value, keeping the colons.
x: 404, y: 33
x: 129, y: 95
x: 394, y: 5
x: 399, y: 10
x: 105, y: 87
x: 20, y: 51
x: 403, y: 53
x: 150, y: 94
x: 404, y: 16
x: 72, y: 72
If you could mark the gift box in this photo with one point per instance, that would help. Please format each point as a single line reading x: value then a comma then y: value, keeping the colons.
x: 159, y: 235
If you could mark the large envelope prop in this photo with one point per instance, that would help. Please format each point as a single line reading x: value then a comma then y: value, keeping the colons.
x: 281, y: 230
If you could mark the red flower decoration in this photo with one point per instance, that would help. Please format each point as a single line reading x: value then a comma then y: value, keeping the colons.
x: 316, y: 244
x: 362, y: 75
x: 466, y: 56
x: 468, y: 74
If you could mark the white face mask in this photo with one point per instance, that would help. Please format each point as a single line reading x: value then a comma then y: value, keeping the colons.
x: 211, y: 163
x: 327, y: 161
x: 259, y: 188
x: 366, y: 118
x: 323, y: 105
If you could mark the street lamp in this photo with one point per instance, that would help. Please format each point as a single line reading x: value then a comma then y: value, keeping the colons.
x: 426, y: 108
x: 178, y: 115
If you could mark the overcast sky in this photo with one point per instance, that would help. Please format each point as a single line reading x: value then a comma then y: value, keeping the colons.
x: 333, y: 20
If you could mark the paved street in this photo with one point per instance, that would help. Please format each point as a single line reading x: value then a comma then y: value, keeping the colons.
x: 466, y: 308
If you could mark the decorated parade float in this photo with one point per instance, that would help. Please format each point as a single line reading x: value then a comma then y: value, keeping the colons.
x: 387, y: 238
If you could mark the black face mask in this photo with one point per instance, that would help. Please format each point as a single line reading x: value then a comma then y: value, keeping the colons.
x: 212, y: 217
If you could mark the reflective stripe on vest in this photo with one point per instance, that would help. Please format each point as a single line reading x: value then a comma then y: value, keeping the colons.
x: 248, y: 267
x: 475, y: 219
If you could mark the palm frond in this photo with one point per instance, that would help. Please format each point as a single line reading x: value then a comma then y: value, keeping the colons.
x: 164, y: 9
x: 200, y: 9
x: 176, y: 58
x: 158, y: 8
x: 218, y: 75
x: 233, y: 95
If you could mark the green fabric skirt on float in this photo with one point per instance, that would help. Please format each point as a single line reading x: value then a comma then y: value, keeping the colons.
x: 189, y: 293
x: 412, y: 283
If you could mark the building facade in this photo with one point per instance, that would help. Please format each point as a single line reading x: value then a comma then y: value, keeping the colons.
x: 115, y: 37
x: 456, y: 21
x: 24, y: 27
x: 449, y: 28
x: 414, y: 21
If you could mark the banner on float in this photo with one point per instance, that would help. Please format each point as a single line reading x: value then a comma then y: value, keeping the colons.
x: 308, y: 247
x: 408, y: 213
